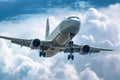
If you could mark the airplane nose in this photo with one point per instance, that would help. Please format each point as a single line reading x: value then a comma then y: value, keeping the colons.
x: 73, y: 24
x: 75, y: 20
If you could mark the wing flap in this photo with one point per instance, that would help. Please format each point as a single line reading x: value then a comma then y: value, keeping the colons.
x: 22, y: 42
x: 96, y: 50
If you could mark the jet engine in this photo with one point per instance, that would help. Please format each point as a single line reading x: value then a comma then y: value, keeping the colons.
x: 35, y: 44
x: 85, y: 49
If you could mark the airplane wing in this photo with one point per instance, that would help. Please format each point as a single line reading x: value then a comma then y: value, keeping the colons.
x: 22, y: 42
x: 84, y: 49
x: 31, y: 43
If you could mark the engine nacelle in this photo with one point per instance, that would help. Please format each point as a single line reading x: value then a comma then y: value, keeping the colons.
x: 85, y: 50
x: 35, y: 44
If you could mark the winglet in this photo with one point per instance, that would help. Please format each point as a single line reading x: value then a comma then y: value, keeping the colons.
x: 47, y: 28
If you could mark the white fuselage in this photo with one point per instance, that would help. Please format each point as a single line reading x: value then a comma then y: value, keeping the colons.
x: 61, y: 35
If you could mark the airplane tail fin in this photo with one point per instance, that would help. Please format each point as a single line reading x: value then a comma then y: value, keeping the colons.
x: 47, y: 28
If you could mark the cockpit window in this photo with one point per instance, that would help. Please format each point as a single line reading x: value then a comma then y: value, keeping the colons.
x: 73, y: 17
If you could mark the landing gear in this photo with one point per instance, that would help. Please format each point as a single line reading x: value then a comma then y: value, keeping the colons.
x: 42, y: 54
x: 71, y: 44
x: 71, y: 56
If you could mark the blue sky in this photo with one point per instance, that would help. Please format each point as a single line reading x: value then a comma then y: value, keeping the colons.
x: 11, y: 8
x: 27, y: 19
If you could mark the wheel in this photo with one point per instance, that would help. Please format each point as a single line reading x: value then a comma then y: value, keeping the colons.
x: 72, y: 57
x: 44, y: 54
x: 68, y: 57
x: 40, y: 54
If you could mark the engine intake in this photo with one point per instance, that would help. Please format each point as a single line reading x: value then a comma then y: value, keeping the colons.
x: 85, y: 49
x: 36, y: 42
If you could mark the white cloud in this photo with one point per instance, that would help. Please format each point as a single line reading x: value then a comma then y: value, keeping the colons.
x: 88, y: 38
x: 70, y: 72
x: 107, y: 42
x: 101, y: 27
x: 111, y: 66
x: 112, y: 11
x: 88, y: 74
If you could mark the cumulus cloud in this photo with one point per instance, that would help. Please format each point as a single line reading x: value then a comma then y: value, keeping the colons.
x: 101, y: 24
x: 70, y: 72
x: 88, y: 38
x: 88, y: 74
x: 111, y: 67
x: 98, y: 26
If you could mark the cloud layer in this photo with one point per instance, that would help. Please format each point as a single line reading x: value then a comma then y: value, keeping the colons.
x: 99, y: 28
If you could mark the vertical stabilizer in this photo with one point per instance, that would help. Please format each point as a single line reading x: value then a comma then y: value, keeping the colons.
x: 47, y: 28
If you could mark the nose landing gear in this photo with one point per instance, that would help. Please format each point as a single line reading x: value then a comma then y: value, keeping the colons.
x: 71, y: 56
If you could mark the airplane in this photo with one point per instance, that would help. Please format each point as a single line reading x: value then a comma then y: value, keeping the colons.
x: 60, y: 40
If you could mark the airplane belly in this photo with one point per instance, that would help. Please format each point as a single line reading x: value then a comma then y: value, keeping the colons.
x: 52, y: 51
x: 62, y: 39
